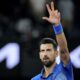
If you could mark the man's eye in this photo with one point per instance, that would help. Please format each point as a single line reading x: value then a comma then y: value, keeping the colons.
x: 48, y: 49
x: 41, y: 50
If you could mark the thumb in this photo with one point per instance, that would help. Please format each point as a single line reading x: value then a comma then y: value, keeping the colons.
x: 45, y: 18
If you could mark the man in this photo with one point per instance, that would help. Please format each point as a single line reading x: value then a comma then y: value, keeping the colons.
x: 48, y: 51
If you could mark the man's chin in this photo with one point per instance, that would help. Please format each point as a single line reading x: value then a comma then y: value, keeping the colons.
x: 47, y: 63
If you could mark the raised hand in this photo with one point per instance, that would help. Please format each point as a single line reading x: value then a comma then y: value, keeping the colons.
x: 54, y: 15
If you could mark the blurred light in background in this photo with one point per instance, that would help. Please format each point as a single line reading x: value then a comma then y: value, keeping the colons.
x: 21, y: 29
x: 11, y: 53
x: 75, y: 57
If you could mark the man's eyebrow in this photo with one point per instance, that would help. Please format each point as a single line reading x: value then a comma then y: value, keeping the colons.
x: 42, y: 50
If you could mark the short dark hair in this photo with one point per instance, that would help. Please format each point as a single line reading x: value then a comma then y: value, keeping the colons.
x: 49, y: 40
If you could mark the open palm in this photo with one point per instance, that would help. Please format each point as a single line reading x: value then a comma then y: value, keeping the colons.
x: 54, y: 15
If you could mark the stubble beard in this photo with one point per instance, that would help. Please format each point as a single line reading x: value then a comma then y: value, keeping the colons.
x: 47, y: 63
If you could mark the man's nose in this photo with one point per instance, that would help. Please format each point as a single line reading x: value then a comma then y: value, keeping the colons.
x: 45, y: 52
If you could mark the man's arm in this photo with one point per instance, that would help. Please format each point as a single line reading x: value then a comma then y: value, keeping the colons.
x: 64, y: 53
x: 54, y: 18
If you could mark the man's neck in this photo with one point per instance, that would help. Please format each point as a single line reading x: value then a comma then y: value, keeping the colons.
x: 48, y: 70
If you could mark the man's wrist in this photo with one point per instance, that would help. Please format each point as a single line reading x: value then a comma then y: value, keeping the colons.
x: 56, y: 24
x: 58, y: 29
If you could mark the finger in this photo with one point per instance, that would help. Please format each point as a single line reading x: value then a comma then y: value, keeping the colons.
x: 48, y: 8
x: 52, y: 6
x: 45, y: 18
x: 56, y: 13
x: 59, y: 15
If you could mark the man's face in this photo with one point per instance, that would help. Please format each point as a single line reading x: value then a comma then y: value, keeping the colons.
x: 47, y: 54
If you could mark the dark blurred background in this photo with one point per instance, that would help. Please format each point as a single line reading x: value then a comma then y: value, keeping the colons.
x: 21, y: 23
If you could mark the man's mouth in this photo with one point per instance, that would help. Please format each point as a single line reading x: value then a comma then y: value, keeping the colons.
x: 45, y: 58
